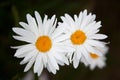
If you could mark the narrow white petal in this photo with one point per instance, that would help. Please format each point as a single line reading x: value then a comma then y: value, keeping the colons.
x: 68, y: 23
x: 91, y: 49
x: 38, y: 63
x: 62, y: 38
x: 80, y: 17
x: 60, y: 63
x: 25, y: 39
x: 28, y: 57
x: 86, y: 21
x: 88, y: 27
x: 25, y: 25
x: 32, y: 24
x: 98, y: 36
x: 78, y: 53
x: 59, y: 31
x: 61, y: 58
x: 85, y: 53
x: 95, y: 43
x: 17, y: 47
x: 47, y: 26
x: 53, y: 62
x: 101, y: 64
x: 23, y: 32
x: 69, y: 18
x: 24, y: 49
x: 53, y: 27
x: 91, y: 33
x: 92, y: 66
x: 75, y: 61
x: 29, y: 65
x: 45, y: 19
x: 51, y: 67
x: 44, y: 59
x: 40, y: 69
x: 38, y: 18
x: 95, y: 27
x: 39, y: 22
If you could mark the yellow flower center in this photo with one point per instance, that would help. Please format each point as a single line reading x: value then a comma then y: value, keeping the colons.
x: 43, y: 43
x: 94, y: 56
x: 78, y: 37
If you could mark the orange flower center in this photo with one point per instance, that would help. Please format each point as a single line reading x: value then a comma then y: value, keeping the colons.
x: 43, y: 43
x: 78, y: 37
x: 94, y: 56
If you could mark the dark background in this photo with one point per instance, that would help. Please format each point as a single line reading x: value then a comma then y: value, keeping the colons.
x: 13, y: 11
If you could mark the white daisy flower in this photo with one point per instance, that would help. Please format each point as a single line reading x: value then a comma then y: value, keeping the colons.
x: 44, y: 46
x: 83, y: 35
x: 96, y: 60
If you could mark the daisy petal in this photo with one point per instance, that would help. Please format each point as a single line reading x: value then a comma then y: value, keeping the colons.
x: 29, y: 65
x: 98, y: 36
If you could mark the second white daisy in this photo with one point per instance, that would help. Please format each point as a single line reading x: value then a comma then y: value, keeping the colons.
x: 83, y: 36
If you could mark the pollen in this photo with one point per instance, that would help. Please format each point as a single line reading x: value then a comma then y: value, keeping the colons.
x: 94, y: 56
x: 78, y: 37
x: 43, y: 44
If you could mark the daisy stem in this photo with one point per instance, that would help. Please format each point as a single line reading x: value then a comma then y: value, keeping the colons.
x: 36, y: 77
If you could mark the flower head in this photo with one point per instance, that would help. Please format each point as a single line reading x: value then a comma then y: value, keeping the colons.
x: 83, y: 36
x: 44, y: 48
x: 95, y: 59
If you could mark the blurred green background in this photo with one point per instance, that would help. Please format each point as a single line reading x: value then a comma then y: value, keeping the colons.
x: 13, y: 11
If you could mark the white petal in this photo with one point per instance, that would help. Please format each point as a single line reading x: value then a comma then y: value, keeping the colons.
x: 23, y: 32
x: 25, y: 39
x: 69, y: 18
x: 51, y: 67
x: 85, y: 53
x: 95, y: 27
x: 24, y: 25
x: 95, y: 43
x: 91, y: 33
x: 24, y: 49
x: 45, y: 19
x: 98, y: 36
x: 75, y: 61
x: 38, y: 18
x: 88, y: 27
x: 29, y: 56
x: 40, y: 69
x: 53, y: 27
x: 101, y: 64
x: 39, y: 22
x: 92, y: 66
x: 60, y: 63
x: 79, y: 21
x: 29, y: 65
x: 47, y: 26
x: 86, y: 21
x: 62, y: 38
x: 61, y: 58
x: 68, y: 23
x: 17, y: 47
x: 58, y: 31
x: 44, y: 59
x: 78, y: 53
x: 32, y: 24
x: 82, y: 16
x: 91, y: 49
x: 38, y: 63
x: 53, y: 62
